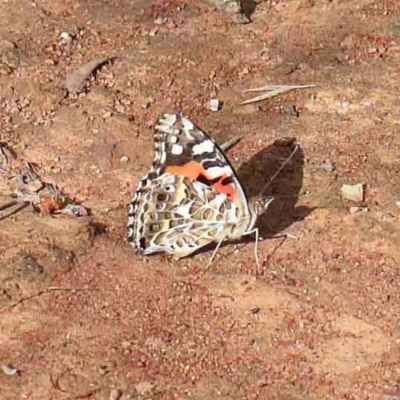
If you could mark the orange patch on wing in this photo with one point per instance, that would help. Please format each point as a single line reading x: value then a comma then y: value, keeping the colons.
x: 228, y: 190
x: 191, y: 170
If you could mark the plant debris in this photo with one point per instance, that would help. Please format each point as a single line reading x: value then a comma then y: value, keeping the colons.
x: 8, y: 370
x: 76, y: 81
x: 27, y: 188
x: 272, y: 91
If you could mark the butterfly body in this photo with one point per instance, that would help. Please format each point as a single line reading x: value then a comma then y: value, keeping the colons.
x: 191, y: 195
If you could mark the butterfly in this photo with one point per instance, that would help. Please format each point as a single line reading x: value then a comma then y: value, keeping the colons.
x: 191, y: 196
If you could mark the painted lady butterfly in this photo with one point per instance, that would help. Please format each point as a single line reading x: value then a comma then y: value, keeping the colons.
x: 191, y: 196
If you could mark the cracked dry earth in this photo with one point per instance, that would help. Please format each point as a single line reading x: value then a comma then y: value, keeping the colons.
x: 83, y: 317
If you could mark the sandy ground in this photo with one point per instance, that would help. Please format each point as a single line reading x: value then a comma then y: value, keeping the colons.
x: 83, y: 317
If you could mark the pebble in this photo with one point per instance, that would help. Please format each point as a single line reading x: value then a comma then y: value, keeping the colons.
x: 160, y: 21
x: 126, y: 344
x: 124, y: 159
x: 115, y: 394
x: 327, y: 166
x: 66, y: 37
x: 214, y: 105
x: 353, y: 192
x: 153, y: 32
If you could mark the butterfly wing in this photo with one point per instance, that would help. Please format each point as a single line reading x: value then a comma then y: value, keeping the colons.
x: 191, y: 195
x: 192, y: 153
x: 179, y: 216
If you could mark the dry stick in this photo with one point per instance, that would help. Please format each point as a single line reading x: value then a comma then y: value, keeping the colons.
x: 280, y: 169
x: 16, y: 210
x: 8, y: 205
x: 272, y: 91
x: 232, y: 142
x: 45, y: 291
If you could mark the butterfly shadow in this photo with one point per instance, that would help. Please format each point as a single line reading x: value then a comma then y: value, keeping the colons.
x: 256, y: 174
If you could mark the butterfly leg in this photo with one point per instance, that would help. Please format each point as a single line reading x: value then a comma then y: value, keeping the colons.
x: 214, y: 253
x: 255, y: 230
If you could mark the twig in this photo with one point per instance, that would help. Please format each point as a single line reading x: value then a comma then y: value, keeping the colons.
x: 8, y: 205
x: 272, y: 91
x: 232, y: 142
x: 41, y: 292
x: 14, y: 211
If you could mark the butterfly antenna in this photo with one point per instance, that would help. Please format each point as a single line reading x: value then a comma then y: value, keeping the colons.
x: 280, y: 169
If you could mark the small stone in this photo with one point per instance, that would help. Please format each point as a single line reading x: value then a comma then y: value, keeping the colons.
x: 66, y: 37
x: 124, y: 159
x: 146, y: 105
x: 115, y: 394
x: 160, y: 21
x: 107, y: 114
x: 214, y: 105
x: 353, y: 192
x: 102, y: 371
x: 398, y: 204
x: 126, y: 344
x: 153, y: 32
x: 327, y: 166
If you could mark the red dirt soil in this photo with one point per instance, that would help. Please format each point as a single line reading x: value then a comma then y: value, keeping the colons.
x: 83, y: 317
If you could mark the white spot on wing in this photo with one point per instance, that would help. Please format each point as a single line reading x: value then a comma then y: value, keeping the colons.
x: 183, y: 210
x: 187, y: 124
x: 168, y: 119
x: 163, y: 157
x: 215, y: 172
x: 177, y: 149
x: 204, y: 147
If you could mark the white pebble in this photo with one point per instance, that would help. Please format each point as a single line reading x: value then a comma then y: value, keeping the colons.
x: 353, y: 192
x: 214, y: 105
